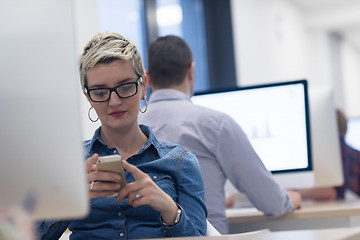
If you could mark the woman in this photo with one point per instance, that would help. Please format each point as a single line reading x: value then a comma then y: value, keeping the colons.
x: 164, y: 195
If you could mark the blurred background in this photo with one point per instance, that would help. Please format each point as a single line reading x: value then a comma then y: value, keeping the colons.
x: 244, y: 42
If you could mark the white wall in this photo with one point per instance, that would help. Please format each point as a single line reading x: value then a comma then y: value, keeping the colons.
x: 270, y: 41
x: 351, y: 76
x: 275, y: 42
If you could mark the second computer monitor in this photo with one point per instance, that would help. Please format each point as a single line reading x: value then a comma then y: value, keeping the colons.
x: 326, y: 150
x: 276, y: 119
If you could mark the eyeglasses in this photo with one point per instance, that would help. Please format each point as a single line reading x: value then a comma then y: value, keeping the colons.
x: 123, y: 91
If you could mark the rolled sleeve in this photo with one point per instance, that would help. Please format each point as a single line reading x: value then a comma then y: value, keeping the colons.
x: 191, y: 200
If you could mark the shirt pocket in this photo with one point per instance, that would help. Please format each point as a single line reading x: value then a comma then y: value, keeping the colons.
x: 165, y: 182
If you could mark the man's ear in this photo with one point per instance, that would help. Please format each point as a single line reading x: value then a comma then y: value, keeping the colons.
x: 191, y: 72
x: 148, y: 79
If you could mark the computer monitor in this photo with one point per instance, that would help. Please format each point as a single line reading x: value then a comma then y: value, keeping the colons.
x: 41, y: 147
x: 325, y: 137
x: 275, y: 118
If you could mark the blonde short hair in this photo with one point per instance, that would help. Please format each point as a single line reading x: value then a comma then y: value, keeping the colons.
x: 105, y: 48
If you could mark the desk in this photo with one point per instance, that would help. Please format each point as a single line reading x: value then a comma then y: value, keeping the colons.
x: 312, y: 215
x: 328, y: 234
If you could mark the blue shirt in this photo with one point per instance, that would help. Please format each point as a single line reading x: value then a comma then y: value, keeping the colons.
x: 223, y: 150
x: 175, y: 170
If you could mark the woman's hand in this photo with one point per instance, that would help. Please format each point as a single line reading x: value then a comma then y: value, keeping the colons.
x: 143, y: 191
x: 101, y: 184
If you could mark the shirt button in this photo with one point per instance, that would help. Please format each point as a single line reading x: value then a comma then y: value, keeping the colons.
x: 114, y: 151
x: 119, y: 214
x: 121, y: 234
x: 154, y: 177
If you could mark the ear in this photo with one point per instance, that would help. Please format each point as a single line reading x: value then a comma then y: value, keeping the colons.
x: 147, y: 74
x: 87, y: 97
x: 191, y: 72
x: 144, y: 84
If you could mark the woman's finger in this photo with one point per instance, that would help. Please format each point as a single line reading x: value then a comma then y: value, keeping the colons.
x: 137, y: 173
x: 90, y: 162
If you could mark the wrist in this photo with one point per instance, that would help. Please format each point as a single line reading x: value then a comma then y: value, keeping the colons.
x: 174, y: 219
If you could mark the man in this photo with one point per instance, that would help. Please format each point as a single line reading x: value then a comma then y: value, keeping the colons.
x: 219, y: 143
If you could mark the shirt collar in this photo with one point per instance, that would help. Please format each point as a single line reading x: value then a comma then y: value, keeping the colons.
x: 168, y: 94
x: 95, y: 138
x: 152, y: 140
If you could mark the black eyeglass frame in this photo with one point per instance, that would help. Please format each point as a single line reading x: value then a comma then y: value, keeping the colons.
x: 114, y: 89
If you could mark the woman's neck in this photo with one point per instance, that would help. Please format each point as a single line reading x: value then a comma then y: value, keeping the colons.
x: 127, y: 142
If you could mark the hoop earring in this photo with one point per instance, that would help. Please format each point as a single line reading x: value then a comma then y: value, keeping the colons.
x: 89, y: 115
x: 146, y: 105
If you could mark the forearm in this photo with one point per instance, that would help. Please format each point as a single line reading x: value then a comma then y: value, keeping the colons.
x: 325, y: 193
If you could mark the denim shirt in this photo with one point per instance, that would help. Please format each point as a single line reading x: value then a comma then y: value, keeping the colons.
x: 175, y: 170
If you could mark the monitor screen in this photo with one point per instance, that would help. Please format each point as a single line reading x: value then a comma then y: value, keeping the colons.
x: 275, y: 118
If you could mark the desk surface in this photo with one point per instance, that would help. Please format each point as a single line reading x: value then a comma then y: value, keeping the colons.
x: 328, y: 234
x: 309, y: 210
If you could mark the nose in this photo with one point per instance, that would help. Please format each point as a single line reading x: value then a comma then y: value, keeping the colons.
x: 114, y: 99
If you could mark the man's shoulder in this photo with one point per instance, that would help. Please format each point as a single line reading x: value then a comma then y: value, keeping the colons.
x: 206, y: 112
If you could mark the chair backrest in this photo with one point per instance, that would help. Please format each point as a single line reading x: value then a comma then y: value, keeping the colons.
x: 211, y: 230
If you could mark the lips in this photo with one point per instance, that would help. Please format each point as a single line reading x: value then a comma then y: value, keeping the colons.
x: 117, y: 113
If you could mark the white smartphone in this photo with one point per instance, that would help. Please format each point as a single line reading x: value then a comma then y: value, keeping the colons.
x: 112, y: 163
